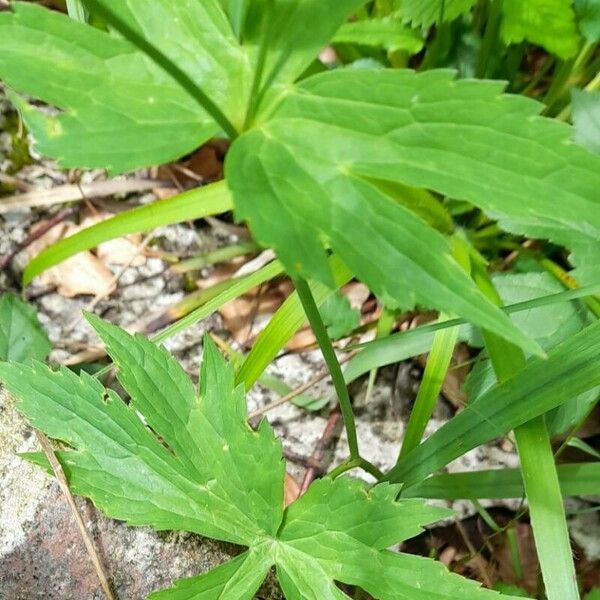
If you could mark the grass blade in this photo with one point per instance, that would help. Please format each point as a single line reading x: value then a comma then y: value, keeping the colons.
x: 571, y: 368
x: 194, y: 204
x: 542, y: 488
x: 431, y: 384
x: 495, y: 484
x: 238, y: 287
x: 284, y: 324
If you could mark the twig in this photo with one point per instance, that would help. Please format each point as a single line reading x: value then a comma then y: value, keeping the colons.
x: 14, y: 181
x: 475, y: 554
x: 299, y: 390
x: 64, y: 486
x: 59, y: 217
x: 324, y: 441
x: 74, y: 192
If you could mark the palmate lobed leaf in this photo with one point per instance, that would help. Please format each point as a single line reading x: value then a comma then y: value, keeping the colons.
x: 548, y: 23
x: 385, y: 126
x: 22, y: 338
x: 317, y: 164
x: 118, y: 110
x: 424, y: 13
x: 177, y: 459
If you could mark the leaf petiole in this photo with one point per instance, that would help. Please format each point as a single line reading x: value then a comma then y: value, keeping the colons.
x: 337, y: 376
x: 181, y: 77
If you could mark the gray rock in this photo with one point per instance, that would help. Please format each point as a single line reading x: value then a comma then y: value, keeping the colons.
x: 41, y: 552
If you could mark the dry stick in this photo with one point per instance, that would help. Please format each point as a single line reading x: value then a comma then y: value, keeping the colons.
x: 64, y: 486
x: 59, y: 217
x: 74, y: 192
x: 324, y: 441
x: 299, y: 390
x: 475, y: 554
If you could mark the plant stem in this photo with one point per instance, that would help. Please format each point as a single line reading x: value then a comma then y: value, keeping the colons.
x: 357, y: 463
x: 255, y: 94
x: 490, y: 36
x: 539, y: 473
x: 164, y: 62
x: 318, y: 327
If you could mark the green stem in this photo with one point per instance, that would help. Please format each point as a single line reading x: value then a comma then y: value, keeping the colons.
x: 569, y: 73
x: 356, y: 463
x: 538, y: 469
x: 490, y: 37
x: 255, y: 94
x: 337, y: 376
x: 164, y: 62
x: 560, y: 82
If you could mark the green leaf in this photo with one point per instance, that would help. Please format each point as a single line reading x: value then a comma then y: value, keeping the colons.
x: 548, y: 325
x: 176, y: 459
x: 588, y: 18
x: 322, y: 193
x: 575, y: 480
x: 117, y: 109
x: 339, y: 317
x: 284, y: 324
x: 388, y: 33
x: 593, y: 594
x: 509, y: 588
x: 292, y: 33
x: 586, y: 119
x: 572, y: 368
x: 547, y: 23
x: 424, y: 13
x: 22, y: 338
x: 195, y: 204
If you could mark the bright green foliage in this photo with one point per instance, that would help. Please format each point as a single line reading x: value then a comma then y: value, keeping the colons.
x: 314, y: 163
x: 548, y: 325
x: 293, y: 33
x: 572, y: 368
x: 548, y: 23
x: 593, y: 594
x: 424, y: 13
x: 508, y: 588
x: 586, y: 118
x: 118, y: 109
x: 339, y: 317
x: 388, y: 33
x: 194, y: 464
x: 309, y: 175
x: 588, y: 18
x: 22, y: 338
x: 187, y: 206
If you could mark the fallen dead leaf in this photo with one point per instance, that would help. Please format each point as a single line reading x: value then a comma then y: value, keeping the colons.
x: 291, y: 490
x: 83, y: 273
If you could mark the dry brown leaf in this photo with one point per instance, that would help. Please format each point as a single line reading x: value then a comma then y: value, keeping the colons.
x: 528, y: 558
x: 239, y: 315
x: 122, y: 251
x: 83, y: 273
x: 291, y: 490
